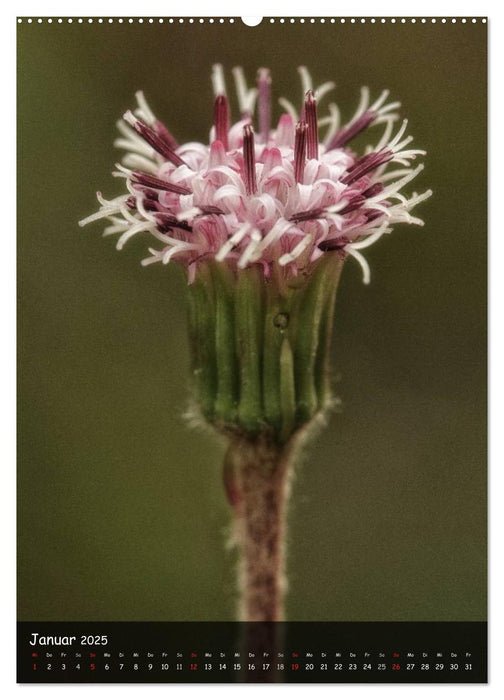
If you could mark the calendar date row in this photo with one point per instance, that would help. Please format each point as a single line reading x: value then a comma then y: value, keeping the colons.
x: 206, y: 667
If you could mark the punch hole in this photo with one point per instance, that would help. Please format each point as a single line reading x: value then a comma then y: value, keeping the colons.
x: 252, y: 21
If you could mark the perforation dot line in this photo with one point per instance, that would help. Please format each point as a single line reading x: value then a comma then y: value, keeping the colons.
x: 270, y: 20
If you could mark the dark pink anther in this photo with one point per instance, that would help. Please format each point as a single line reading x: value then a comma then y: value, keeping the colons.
x: 308, y: 215
x: 334, y: 243
x: 312, y: 128
x: 372, y: 191
x: 221, y: 120
x: 347, y: 133
x: 145, y: 180
x: 167, y: 221
x: 249, y: 160
x: 353, y: 204
x: 300, y: 151
x: 157, y: 142
x: 166, y: 135
x: 366, y: 164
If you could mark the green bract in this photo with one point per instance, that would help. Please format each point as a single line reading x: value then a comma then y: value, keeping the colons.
x: 259, y: 347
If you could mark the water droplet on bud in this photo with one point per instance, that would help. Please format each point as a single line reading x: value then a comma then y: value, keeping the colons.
x: 281, y: 320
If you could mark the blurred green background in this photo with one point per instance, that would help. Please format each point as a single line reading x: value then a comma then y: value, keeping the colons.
x: 122, y: 514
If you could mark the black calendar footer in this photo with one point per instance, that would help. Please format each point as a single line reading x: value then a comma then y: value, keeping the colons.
x: 217, y: 652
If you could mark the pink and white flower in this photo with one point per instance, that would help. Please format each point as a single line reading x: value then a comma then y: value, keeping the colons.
x: 275, y: 197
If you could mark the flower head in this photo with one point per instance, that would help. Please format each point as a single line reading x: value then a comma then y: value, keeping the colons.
x: 276, y: 197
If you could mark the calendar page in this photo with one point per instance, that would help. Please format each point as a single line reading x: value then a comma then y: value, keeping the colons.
x: 252, y: 349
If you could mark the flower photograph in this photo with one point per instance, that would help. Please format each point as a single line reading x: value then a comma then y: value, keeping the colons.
x: 252, y: 321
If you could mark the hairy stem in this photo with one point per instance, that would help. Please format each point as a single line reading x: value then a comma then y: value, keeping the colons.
x: 257, y: 478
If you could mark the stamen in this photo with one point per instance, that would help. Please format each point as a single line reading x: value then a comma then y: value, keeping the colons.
x: 310, y: 109
x: 347, y: 133
x: 300, y: 151
x: 373, y: 190
x: 249, y: 160
x: 221, y: 120
x: 210, y: 209
x: 148, y: 203
x: 307, y: 215
x: 364, y: 165
x: 264, y: 106
x: 165, y: 134
x: 139, y: 178
x: 353, y: 204
x: 334, y: 243
x: 372, y: 214
x: 153, y: 139
x: 168, y: 221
